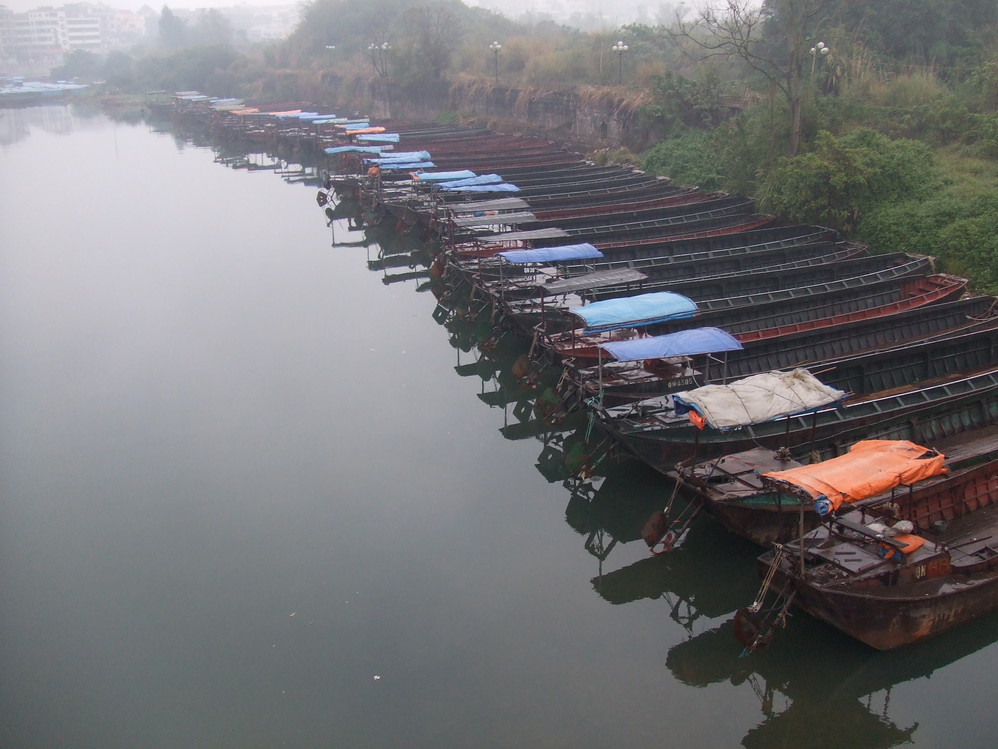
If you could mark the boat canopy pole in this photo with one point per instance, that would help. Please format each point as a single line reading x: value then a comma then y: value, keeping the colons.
x: 599, y: 354
x: 800, y: 536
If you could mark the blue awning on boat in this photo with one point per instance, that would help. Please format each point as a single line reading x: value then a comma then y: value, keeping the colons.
x: 403, y: 166
x: 584, y: 251
x: 444, y: 176
x: 635, y: 311
x: 353, y: 149
x: 682, y: 343
x: 378, y: 137
x: 501, y: 187
x: 407, y: 156
x: 481, y: 179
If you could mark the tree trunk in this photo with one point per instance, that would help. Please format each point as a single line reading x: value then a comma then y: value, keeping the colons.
x: 795, y: 124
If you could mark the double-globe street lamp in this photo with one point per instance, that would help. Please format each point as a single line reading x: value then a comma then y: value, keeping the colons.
x: 620, y: 48
x: 495, y: 47
x: 379, y: 57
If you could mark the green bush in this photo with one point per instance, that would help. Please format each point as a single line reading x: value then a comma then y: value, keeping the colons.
x: 962, y: 233
x: 691, y: 157
x: 844, y: 178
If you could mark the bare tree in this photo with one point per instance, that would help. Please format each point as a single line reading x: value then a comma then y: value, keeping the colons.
x: 769, y: 38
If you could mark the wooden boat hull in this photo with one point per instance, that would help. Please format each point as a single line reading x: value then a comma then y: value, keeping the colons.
x: 625, y: 214
x: 893, y: 600
x: 725, y: 288
x: 898, y: 286
x: 887, y: 623
x: 633, y: 381
x: 504, y: 281
x: 916, y: 414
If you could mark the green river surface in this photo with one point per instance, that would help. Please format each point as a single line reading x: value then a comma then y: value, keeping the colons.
x: 254, y: 494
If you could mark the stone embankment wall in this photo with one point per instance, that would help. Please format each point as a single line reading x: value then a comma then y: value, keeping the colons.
x: 589, y: 117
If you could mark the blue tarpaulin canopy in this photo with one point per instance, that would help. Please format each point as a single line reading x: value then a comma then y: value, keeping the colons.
x: 635, y: 311
x: 583, y: 251
x: 445, y: 176
x: 481, y: 179
x: 407, y: 156
x: 354, y: 149
x: 683, y: 343
x: 404, y: 165
x: 378, y: 137
x: 501, y: 187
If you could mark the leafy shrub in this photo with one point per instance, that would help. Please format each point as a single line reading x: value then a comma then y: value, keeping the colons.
x: 843, y: 178
x: 962, y: 233
x: 691, y: 157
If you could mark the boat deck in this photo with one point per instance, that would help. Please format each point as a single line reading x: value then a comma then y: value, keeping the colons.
x: 972, y: 539
x: 736, y: 475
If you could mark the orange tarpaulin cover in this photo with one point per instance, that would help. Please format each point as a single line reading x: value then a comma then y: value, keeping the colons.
x: 365, y: 130
x: 869, y: 468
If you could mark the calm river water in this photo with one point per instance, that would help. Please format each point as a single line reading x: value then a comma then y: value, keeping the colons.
x: 253, y: 496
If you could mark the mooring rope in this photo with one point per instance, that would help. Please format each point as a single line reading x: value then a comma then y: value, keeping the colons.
x: 767, y: 581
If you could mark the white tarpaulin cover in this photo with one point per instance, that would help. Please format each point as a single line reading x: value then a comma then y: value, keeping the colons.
x: 758, y: 398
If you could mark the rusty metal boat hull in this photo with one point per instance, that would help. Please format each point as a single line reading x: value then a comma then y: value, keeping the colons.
x: 890, y: 600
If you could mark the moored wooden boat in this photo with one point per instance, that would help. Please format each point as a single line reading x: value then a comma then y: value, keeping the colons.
x: 892, y: 568
x: 815, y: 304
x: 885, y: 400
x: 693, y: 231
x: 616, y: 382
x: 738, y: 491
x: 623, y: 214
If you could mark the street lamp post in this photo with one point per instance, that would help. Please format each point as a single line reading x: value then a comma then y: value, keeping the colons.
x: 818, y: 50
x: 379, y: 57
x: 385, y: 49
x: 620, y: 48
x: 495, y: 47
x: 329, y: 49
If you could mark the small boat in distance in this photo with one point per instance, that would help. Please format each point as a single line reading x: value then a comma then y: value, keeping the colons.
x: 17, y: 92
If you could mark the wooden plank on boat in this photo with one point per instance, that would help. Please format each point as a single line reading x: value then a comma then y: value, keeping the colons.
x: 521, y: 236
x: 592, y: 281
x: 506, y: 219
x: 499, y: 204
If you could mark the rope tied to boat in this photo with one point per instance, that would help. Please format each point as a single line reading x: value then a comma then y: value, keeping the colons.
x: 768, y: 580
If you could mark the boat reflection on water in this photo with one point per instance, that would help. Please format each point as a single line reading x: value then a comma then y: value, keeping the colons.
x: 399, y: 257
x: 610, y: 506
x: 848, y: 701
x: 512, y: 382
x: 701, y: 582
